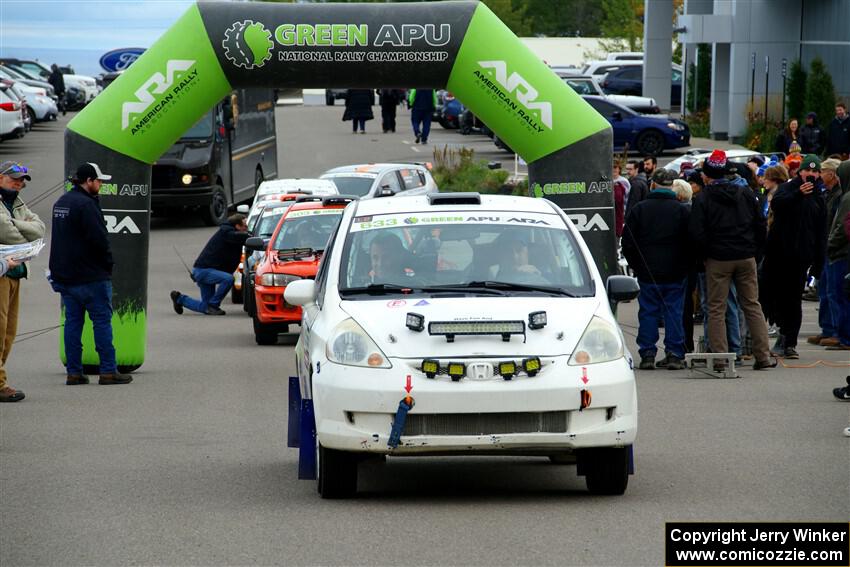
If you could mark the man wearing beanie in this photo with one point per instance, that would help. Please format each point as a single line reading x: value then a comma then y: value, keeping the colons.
x: 796, y: 244
x: 655, y: 243
x: 18, y: 225
x: 828, y: 309
x: 729, y: 230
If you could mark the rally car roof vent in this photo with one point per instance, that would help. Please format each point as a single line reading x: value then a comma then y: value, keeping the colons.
x: 339, y: 199
x: 454, y: 198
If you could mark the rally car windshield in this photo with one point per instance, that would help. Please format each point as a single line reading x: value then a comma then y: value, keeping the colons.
x: 307, y: 229
x: 494, y: 253
x: 353, y: 185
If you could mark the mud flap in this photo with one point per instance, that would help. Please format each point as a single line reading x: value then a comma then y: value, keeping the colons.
x: 293, y: 432
x: 307, y: 442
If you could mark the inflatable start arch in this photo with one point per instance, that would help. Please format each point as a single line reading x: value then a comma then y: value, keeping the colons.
x: 218, y: 46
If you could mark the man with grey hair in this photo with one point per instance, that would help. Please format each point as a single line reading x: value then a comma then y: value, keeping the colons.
x: 655, y: 243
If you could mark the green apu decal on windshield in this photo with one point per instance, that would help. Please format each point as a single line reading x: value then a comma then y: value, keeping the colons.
x: 515, y: 93
x: 160, y: 96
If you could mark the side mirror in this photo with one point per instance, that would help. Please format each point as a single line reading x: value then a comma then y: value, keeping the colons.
x: 621, y: 288
x: 243, y: 209
x: 300, y: 292
x: 617, y: 116
x: 255, y: 244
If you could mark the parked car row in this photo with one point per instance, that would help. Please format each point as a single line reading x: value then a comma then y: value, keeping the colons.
x: 22, y: 106
x: 79, y: 89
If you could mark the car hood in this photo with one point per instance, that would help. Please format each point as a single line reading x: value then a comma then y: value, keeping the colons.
x: 384, y: 320
x: 303, y: 268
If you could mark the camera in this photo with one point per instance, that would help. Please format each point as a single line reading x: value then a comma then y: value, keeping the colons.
x: 811, y: 179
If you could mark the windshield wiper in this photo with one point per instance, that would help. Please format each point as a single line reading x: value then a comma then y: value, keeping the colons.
x: 507, y: 286
x: 376, y: 289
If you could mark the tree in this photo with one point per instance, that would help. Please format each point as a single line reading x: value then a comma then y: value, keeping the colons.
x: 699, y: 79
x: 820, y: 92
x: 513, y: 17
x: 795, y: 90
x: 564, y: 18
x: 622, y: 23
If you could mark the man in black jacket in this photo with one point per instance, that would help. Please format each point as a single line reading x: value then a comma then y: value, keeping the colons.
x: 811, y: 135
x: 638, y: 185
x: 213, y: 270
x: 655, y: 243
x: 797, y: 242
x: 838, y: 133
x: 81, y: 271
x: 729, y: 230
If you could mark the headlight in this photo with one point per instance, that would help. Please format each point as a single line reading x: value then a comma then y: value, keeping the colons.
x: 599, y: 343
x: 278, y: 280
x: 186, y: 179
x: 349, y: 344
x: 674, y: 126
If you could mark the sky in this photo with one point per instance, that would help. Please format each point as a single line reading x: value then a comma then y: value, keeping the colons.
x: 78, y: 32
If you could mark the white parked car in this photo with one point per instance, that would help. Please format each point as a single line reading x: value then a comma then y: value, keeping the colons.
x: 370, y: 180
x: 588, y: 85
x: 697, y: 156
x: 11, y: 120
x: 601, y: 68
x: 489, y: 313
x: 625, y: 56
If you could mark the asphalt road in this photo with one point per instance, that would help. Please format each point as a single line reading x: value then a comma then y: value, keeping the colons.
x: 189, y: 465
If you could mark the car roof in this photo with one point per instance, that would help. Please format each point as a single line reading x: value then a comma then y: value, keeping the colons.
x: 372, y: 168
x: 421, y: 204
x: 291, y: 184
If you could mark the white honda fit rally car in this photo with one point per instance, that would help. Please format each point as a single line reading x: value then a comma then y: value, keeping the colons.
x: 459, y: 323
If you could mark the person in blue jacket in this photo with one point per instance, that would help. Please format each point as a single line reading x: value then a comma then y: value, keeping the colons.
x: 81, y: 271
x: 422, y: 103
x: 213, y: 270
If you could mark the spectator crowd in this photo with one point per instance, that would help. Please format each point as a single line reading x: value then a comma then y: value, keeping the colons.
x: 733, y: 245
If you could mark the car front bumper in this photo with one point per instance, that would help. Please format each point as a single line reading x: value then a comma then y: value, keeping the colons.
x: 355, y: 409
x: 191, y: 196
x: 271, y: 308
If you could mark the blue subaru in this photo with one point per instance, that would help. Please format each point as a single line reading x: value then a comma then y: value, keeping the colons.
x: 645, y: 134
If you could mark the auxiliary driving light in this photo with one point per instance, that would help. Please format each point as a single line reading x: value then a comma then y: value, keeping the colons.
x: 456, y: 370
x: 507, y: 369
x: 415, y: 322
x: 430, y: 367
x: 531, y: 365
x: 537, y: 320
x: 585, y: 399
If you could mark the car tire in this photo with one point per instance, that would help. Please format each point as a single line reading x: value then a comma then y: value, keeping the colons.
x: 337, y: 473
x: 236, y: 295
x: 606, y: 469
x: 31, y: 112
x: 650, y: 143
x: 215, y: 213
x: 563, y: 459
x: 329, y: 99
x: 264, y: 334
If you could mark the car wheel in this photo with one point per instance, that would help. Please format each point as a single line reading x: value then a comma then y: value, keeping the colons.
x: 31, y: 112
x: 329, y: 99
x: 650, y: 143
x: 606, y: 469
x: 264, y: 334
x: 215, y: 213
x: 563, y: 459
x: 236, y: 295
x: 337, y: 473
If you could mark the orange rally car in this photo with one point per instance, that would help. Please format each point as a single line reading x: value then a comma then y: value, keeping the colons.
x: 292, y: 253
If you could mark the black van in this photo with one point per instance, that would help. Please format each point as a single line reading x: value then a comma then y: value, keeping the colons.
x: 221, y: 160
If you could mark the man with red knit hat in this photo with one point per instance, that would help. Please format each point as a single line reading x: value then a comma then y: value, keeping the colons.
x: 729, y: 231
